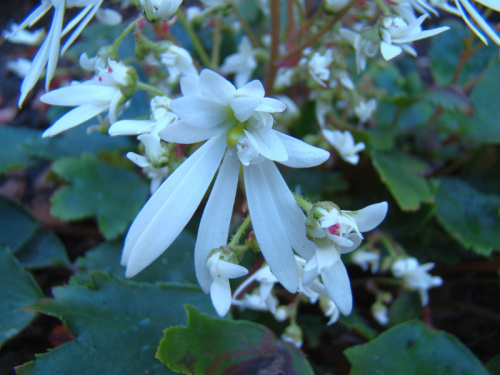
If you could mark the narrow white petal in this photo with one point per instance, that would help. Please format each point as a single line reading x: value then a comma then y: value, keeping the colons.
x: 139, y: 160
x: 220, y: 293
x: 113, y: 105
x: 464, y: 16
x: 310, y: 271
x: 301, y: 154
x: 479, y: 19
x: 230, y: 270
x: 292, y: 217
x: 185, y: 133
x: 171, y: 207
x: 198, y: 111
x: 55, y: 42
x: 75, y: 20
x: 369, y: 217
x: 79, y: 94
x: 268, y: 144
x: 271, y: 105
x: 80, y: 28
x: 326, y: 254
x: 269, y: 231
x: 35, y: 15
x: 131, y: 127
x: 73, y: 118
x: 214, y: 225
x: 338, y: 286
x: 493, y: 4
x: 422, y: 35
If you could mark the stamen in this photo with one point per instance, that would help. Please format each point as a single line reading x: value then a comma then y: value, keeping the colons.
x: 333, y: 229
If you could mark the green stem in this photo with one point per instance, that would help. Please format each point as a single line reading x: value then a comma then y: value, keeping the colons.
x: 124, y: 33
x: 243, y: 227
x: 248, y: 31
x: 303, y: 203
x: 194, y: 38
x: 217, y: 40
x: 149, y: 88
x: 272, y: 67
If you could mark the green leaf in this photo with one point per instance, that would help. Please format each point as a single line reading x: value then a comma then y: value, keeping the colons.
x: 18, y: 290
x: 413, y: 349
x: 113, y: 195
x: 117, y: 325
x: 221, y: 346
x: 493, y: 365
x: 452, y: 98
x: 33, y: 246
x: 174, y: 265
x: 357, y: 322
x: 471, y: 217
x: 401, y: 173
x: 13, y: 154
x: 407, y: 306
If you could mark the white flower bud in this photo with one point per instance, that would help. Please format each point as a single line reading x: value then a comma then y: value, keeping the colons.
x: 159, y: 10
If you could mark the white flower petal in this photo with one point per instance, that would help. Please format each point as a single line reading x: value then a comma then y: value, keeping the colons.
x: 230, y: 270
x: 184, y: 133
x: 389, y: 51
x: 54, y: 40
x: 214, y: 224
x: 79, y: 94
x: 74, y: 117
x: 267, y: 143
x: 244, y: 107
x: 131, y: 127
x: 168, y: 211
x: 139, y: 160
x: 369, y: 217
x: 190, y: 85
x: 220, y: 293
x: 81, y: 26
x: 216, y: 88
x: 338, y: 286
x: 301, y: 154
x: 493, y: 4
x: 199, y: 111
x: 267, y: 223
x: 252, y: 89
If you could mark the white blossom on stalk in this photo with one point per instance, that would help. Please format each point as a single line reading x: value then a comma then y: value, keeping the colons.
x: 237, y: 124
x: 416, y: 277
x: 159, y: 10
x: 262, y: 299
x: 337, y: 232
x: 397, y: 32
x: 104, y: 92
x: 241, y: 63
x: 30, y: 38
x: 380, y: 313
x: 49, y: 51
x: 319, y: 65
x: 364, y: 47
x: 178, y: 62
x: 367, y: 259
x: 329, y: 309
x: 344, y: 143
x: 364, y: 109
x: 476, y: 21
x: 19, y: 66
x: 154, y: 163
x: 220, y: 272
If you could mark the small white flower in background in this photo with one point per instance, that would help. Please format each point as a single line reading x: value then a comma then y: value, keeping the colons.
x: 221, y: 271
x: 379, y: 312
x: 178, y: 62
x: 262, y: 299
x: 341, y: 77
x: 344, y: 143
x: 19, y: 66
x: 397, y: 32
x: 319, y: 65
x: 330, y: 310
x: 293, y: 335
x: 50, y: 50
x: 283, y: 78
x: 367, y: 259
x: 159, y: 10
x: 104, y: 92
x: 161, y: 116
x: 476, y: 21
x: 334, y: 5
x: 365, y: 47
x: 154, y: 164
x: 237, y: 124
x: 416, y: 277
x: 364, y: 109
x: 30, y: 38
x: 241, y: 63
x: 193, y: 13
x: 337, y: 232
x: 108, y: 17
x: 421, y: 6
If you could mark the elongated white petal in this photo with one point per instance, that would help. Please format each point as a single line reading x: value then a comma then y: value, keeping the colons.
x: 292, y: 217
x: 369, y: 217
x: 168, y: 211
x: 230, y: 270
x: 301, y: 154
x: 75, y: 20
x: 253, y: 88
x: 267, y: 221
x: 271, y: 105
x: 35, y: 15
x: 131, y: 127
x: 493, y: 4
x: 215, y: 87
x: 310, y: 271
x: 55, y: 42
x: 326, y: 254
x: 137, y: 159
x: 80, y: 27
x: 182, y: 132
x: 268, y: 144
x: 199, y: 111
x: 478, y: 18
x: 214, y: 225
x: 421, y: 35
x: 113, y: 106
x: 79, y: 94
x: 220, y: 293
x: 338, y: 286
x: 74, y: 117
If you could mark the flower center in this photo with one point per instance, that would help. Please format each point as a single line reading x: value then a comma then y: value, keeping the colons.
x: 334, y: 229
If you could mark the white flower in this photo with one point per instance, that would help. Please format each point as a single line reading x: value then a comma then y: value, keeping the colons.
x: 476, y: 21
x: 379, y: 312
x: 178, y: 62
x: 159, y: 10
x: 364, y: 47
x: 329, y: 309
x: 367, y: 259
x: 154, y: 164
x: 104, y: 92
x: 262, y: 299
x: 222, y: 115
x: 220, y: 272
x: 416, y: 277
x: 21, y: 36
x: 108, y: 17
x: 364, y: 109
x: 19, y: 66
x: 50, y: 50
x: 397, y: 32
x: 161, y: 116
x: 242, y: 63
x: 344, y: 143
x: 337, y: 232
x: 318, y: 66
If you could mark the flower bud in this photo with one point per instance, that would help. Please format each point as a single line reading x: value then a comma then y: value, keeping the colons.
x: 159, y: 10
x: 332, y: 6
x: 293, y: 335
